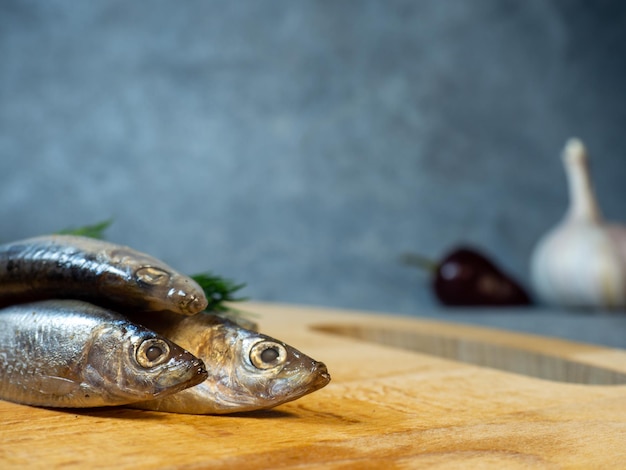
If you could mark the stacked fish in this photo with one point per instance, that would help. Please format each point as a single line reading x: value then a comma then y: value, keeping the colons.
x: 88, y: 323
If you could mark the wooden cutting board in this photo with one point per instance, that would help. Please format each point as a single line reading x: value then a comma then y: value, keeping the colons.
x: 405, y: 393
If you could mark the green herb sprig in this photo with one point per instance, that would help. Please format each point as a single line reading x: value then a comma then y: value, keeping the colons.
x: 218, y: 290
x: 91, y: 231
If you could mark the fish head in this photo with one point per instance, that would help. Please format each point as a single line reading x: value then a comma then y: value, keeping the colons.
x: 127, y: 363
x: 148, y: 282
x: 167, y: 290
x: 254, y: 371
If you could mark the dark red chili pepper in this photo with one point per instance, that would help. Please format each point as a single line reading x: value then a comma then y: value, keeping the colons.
x: 466, y: 277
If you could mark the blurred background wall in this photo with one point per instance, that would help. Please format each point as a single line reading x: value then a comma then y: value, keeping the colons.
x: 300, y: 147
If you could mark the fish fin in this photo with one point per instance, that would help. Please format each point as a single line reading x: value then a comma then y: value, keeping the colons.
x: 238, y: 319
x: 52, y: 385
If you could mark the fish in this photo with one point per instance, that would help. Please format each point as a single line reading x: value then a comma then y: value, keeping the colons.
x: 70, y: 353
x: 111, y: 275
x: 247, y: 370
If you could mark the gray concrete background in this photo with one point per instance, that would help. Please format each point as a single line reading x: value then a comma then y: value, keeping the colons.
x: 301, y: 146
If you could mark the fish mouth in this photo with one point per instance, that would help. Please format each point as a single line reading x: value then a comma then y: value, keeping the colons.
x: 197, y: 369
x: 193, y: 304
x: 186, y: 302
x: 322, y: 377
x: 194, y: 374
x: 200, y: 373
x: 318, y: 377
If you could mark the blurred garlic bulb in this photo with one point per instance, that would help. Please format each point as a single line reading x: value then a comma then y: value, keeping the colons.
x: 582, y: 261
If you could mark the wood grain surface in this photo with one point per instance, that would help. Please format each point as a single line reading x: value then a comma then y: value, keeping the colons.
x: 405, y: 393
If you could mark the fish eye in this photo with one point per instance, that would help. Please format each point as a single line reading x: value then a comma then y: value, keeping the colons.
x: 267, y: 354
x: 152, y: 352
x: 152, y: 276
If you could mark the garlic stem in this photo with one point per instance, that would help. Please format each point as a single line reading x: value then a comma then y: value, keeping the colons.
x: 583, y: 205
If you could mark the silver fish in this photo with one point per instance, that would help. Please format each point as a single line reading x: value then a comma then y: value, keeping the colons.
x: 66, y: 353
x: 246, y: 370
x: 66, y: 266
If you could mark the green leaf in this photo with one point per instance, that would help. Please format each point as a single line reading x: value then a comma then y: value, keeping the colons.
x: 91, y: 231
x: 218, y: 290
x: 419, y: 261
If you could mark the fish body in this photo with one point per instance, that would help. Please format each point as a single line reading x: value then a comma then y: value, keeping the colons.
x: 66, y: 266
x: 246, y: 370
x: 67, y: 353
